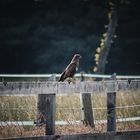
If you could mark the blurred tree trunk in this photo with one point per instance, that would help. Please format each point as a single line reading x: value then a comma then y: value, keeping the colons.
x: 113, y: 19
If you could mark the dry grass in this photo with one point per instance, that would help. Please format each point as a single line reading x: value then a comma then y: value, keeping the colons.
x: 21, y: 131
x: 67, y: 108
x: 17, y: 107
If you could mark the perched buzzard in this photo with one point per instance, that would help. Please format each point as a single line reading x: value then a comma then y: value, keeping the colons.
x: 71, y: 68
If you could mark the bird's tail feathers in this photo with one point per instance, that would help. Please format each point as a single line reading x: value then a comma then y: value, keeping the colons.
x: 62, y: 78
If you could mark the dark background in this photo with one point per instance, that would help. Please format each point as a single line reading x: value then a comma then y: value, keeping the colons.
x: 42, y: 36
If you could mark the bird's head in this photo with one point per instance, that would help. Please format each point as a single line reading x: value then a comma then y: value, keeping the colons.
x: 77, y: 56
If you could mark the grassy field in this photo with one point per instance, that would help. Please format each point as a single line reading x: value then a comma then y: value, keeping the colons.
x: 68, y: 108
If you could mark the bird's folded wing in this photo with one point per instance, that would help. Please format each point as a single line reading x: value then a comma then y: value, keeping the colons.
x: 68, y: 72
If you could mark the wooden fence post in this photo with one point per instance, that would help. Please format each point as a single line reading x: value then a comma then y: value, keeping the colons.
x: 82, y: 78
x: 111, y: 111
x: 46, y: 108
x: 53, y: 77
x: 87, y: 108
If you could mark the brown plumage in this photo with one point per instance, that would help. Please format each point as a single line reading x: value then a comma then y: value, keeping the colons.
x: 71, y: 69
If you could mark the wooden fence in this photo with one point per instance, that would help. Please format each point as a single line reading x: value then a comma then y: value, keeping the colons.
x: 47, y: 91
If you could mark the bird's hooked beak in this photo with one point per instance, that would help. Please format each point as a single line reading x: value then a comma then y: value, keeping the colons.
x: 77, y: 56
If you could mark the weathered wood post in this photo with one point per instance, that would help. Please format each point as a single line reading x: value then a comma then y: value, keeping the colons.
x: 46, y: 108
x: 53, y: 77
x: 87, y: 109
x: 46, y: 111
x: 111, y: 111
x: 111, y: 104
x: 87, y: 112
x: 81, y: 101
x: 82, y: 78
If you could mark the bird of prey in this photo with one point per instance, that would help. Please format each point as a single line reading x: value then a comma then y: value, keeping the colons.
x: 71, y: 69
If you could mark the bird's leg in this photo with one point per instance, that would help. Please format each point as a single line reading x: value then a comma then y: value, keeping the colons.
x: 71, y: 80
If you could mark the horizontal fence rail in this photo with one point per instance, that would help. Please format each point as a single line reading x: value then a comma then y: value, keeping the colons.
x: 126, y: 135
x: 78, y: 75
x: 76, y: 122
x: 66, y: 88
